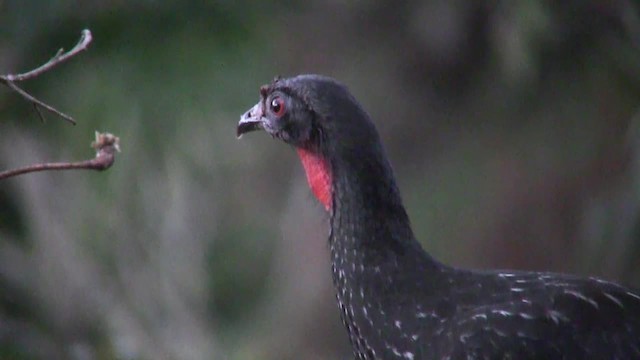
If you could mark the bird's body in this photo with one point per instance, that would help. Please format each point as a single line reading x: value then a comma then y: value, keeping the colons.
x: 396, y: 301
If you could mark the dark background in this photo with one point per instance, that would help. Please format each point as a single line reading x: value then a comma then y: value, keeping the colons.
x: 512, y: 128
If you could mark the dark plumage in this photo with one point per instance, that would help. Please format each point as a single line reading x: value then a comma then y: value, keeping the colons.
x: 397, y: 302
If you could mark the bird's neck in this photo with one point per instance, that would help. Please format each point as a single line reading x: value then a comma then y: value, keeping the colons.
x: 377, y: 264
x: 367, y: 212
x: 369, y: 224
x: 376, y: 261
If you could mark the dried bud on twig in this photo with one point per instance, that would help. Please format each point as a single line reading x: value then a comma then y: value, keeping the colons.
x: 106, y: 145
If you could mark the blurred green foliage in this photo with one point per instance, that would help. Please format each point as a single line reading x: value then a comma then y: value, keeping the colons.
x: 512, y: 127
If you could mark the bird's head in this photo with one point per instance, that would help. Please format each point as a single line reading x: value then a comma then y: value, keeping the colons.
x: 307, y: 111
x: 321, y: 119
x: 283, y: 112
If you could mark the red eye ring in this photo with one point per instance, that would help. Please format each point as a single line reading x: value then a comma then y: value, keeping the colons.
x: 277, y: 106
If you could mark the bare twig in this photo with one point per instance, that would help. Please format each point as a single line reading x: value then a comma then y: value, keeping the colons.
x: 40, y: 114
x: 106, y: 146
x: 60, y: 57
x: 37, y: 102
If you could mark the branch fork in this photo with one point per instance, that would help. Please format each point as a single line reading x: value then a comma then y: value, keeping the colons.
x: 10, y: 80
x: 105, y: 144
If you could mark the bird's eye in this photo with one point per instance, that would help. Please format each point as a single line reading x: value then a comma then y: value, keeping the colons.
x: 277, y: 106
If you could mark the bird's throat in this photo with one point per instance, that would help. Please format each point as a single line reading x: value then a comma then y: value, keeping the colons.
x: 318, y: 175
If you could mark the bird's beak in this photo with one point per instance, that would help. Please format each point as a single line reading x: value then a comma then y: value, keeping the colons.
x: 251, y: 120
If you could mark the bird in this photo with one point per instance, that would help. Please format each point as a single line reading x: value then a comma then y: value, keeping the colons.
x: 397, y: 301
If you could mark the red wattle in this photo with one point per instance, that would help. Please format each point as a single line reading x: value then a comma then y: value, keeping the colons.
x: 318, y: 176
